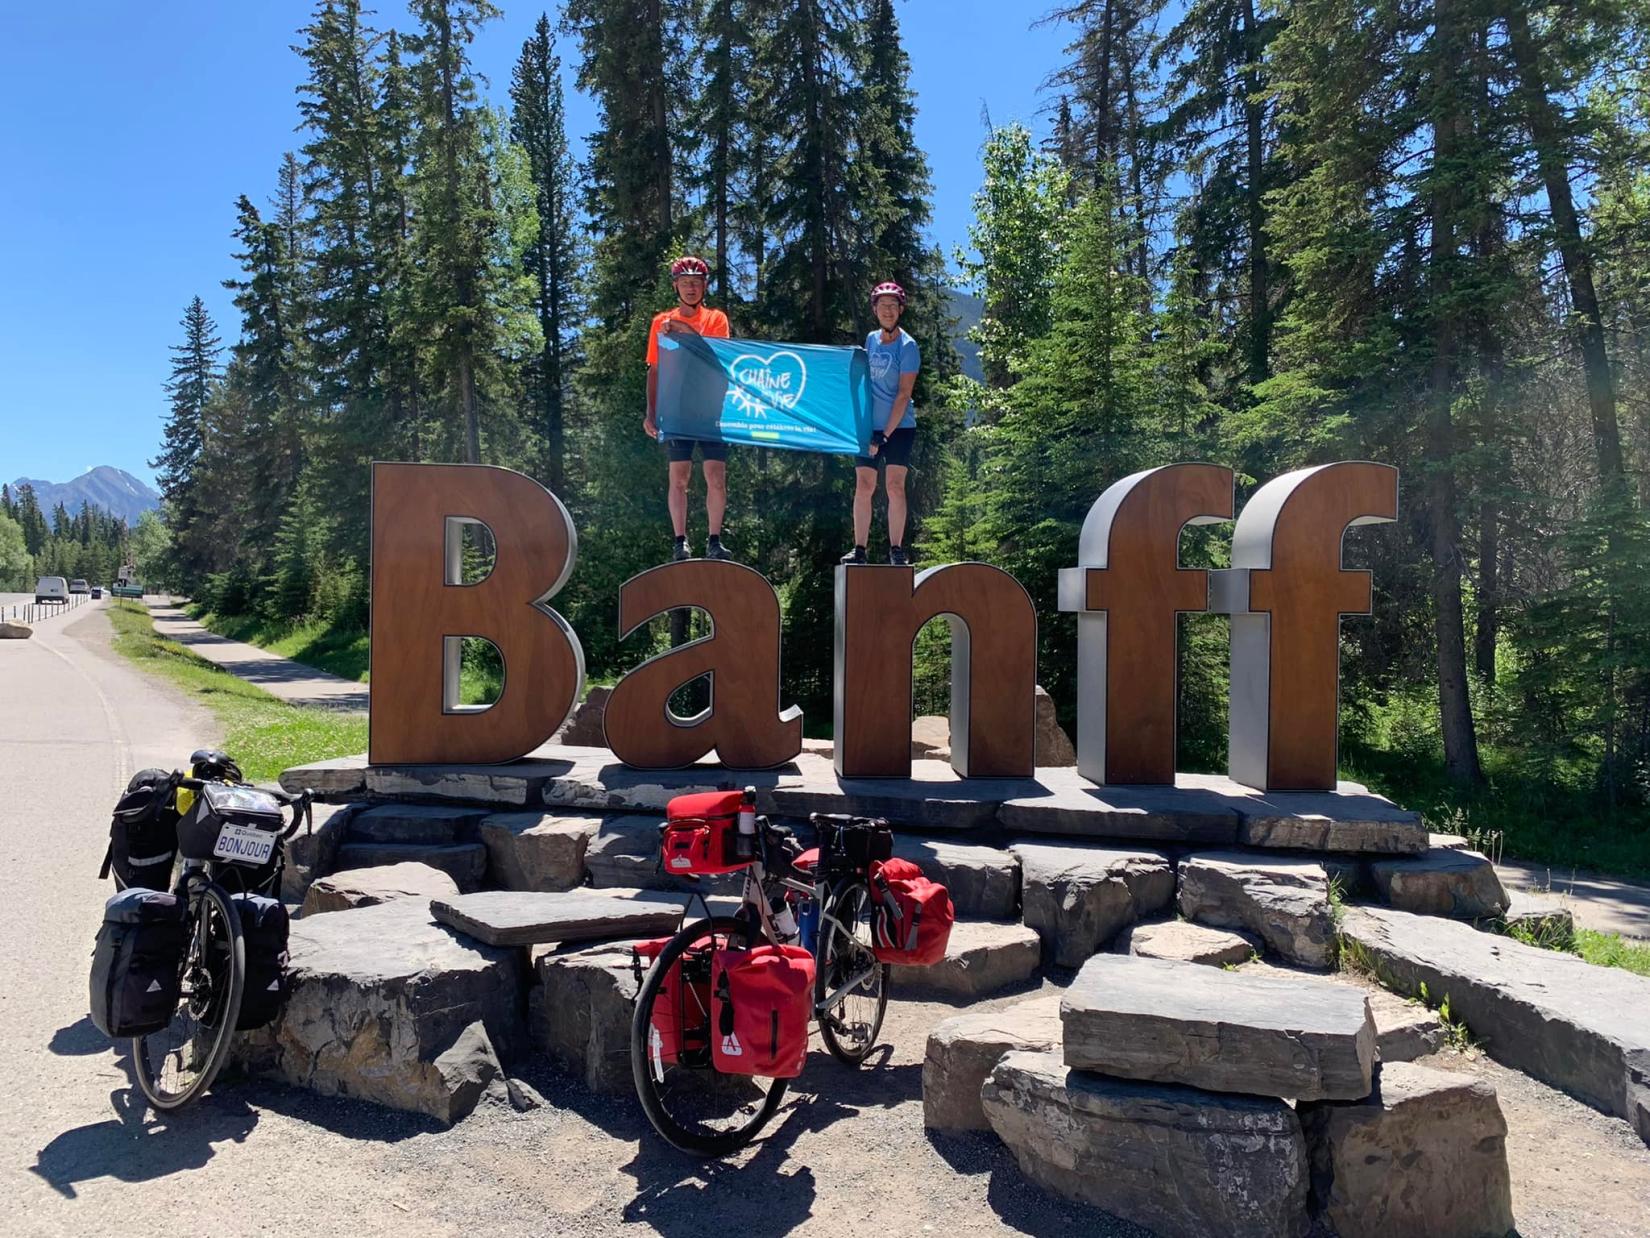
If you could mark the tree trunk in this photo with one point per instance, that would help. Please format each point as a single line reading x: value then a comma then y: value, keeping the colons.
x: 661, y: 121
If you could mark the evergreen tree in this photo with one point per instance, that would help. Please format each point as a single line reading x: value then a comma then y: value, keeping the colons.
x: 188, y: 433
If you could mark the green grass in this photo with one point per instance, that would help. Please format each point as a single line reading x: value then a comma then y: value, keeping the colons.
x: 264, y: 735
x: 1610, y: 950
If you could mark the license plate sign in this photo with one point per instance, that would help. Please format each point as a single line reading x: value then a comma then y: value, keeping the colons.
x: 242, y: 844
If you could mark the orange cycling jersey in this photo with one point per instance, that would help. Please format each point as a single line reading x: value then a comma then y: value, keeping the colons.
x: 706, y: 322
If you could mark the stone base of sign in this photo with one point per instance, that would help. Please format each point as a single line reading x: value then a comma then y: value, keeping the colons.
x: 520, y: 918
x: 1202, y: 809
x: 465, y: 863
x: 983, y: 957
x: 367, y: 887
x: 966, y: 1048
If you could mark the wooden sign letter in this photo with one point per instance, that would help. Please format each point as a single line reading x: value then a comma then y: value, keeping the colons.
x: 743, y: 721
x: 1127, y: 594
x: 422, y: 610
x: 1286, y: 592
x: 879, y: 611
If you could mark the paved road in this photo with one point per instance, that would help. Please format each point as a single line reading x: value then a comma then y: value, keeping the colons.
x: 289, y: 680
x: 1605, y: 904
x: 11, y: 605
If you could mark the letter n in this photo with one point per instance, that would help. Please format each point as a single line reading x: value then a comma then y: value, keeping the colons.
x: 1286, y: 592
x: 879, y: 611
x: 422, y: 610
x: 743, y: 722
x: 1127, y: 595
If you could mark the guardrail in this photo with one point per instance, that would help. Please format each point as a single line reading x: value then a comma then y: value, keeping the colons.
x: 33, y: 612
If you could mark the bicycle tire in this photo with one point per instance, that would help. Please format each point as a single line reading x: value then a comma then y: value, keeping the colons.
x: 699, y: 1142
x: 832, y: 928
x: 212, y: 899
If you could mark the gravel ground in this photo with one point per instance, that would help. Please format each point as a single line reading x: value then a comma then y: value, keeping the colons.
x: 80, y: 1154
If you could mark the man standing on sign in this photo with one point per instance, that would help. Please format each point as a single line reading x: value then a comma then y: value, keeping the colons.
x: 895, y: 360
x: 690, y: 313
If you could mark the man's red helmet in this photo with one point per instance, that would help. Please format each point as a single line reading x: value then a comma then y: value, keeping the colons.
x: 888, y: 288
x: 689, y: 265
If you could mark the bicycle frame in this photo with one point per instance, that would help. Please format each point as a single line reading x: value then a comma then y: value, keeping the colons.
x: 754, y: 895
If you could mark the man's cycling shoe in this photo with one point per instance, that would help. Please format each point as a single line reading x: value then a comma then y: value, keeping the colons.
x: 897, y: 556
x: 681, y: 552
x: 716, y: 550
x: 855, y: 557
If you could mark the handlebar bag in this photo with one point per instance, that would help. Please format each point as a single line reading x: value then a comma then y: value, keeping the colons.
x: 679, y: 1028
x: 912, y: 916
x: 143, y: 833
x: 137, y: 963
x: 264, y: 927
x: 699, y: 831
x: 761, y: 1004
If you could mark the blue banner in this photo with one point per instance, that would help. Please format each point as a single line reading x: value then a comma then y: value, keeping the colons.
x: 802, y: 397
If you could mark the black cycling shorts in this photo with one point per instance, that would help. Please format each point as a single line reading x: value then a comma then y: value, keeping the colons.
x: 896, y: 451
x: 681, y: 449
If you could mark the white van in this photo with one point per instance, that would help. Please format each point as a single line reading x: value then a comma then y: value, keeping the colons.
x: 51, y: 589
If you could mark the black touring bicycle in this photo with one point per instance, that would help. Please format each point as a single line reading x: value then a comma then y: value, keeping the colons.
x: 193, y: 943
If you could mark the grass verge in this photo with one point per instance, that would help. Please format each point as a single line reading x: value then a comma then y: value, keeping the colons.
x: 337, y: 650
x: 264, y: 735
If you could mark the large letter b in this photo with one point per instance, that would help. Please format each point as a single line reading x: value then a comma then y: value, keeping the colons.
x: 422, y: 611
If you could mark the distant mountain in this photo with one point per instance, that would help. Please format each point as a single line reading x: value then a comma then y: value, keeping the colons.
x: 114, y: 490
x: 965, y: 310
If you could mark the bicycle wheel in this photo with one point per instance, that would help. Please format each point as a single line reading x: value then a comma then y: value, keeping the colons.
x: 850, y: 985
x: 692, y: 1104
x: 178, y: 1063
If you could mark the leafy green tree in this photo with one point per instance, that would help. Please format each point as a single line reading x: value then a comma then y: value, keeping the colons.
x: 15, y: 559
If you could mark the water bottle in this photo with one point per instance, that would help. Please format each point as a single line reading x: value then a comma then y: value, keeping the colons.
x: 744, y: 842
x: 784, y: 923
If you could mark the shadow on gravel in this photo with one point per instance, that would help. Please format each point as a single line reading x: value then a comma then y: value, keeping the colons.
x: 349, y: 1117
x: 79, y: 1039
x: 139, y: 1146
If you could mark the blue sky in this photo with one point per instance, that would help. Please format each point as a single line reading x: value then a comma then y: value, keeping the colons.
x: 130, y: 129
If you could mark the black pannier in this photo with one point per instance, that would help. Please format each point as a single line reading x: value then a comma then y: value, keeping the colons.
x: 264, y: 924
x: 143, y: 833
x: 137, y: 964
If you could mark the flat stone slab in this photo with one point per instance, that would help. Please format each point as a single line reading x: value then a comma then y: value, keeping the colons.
x: 984, y: 882
x: 1183, y: 1163
x: 1404, y: 1029
x: 367, y: 887
x: 1283, y: 901
x: 389, y: 1006
x: 983, y: 957
x: 1448, y: 882
x: 1184, y: 942
x: 1078, y: 896
x: 1573, y: 1025
x: 340, y: 779
x: 1351, y: 818
x: 1424, y: 1153
x: 518, y: 918
x: 537, y: 850
x: 1228, y: 1031
x: 465, y: 863
x: 964, y: 1049
x: 1065, y: 802
x: 427, y: 824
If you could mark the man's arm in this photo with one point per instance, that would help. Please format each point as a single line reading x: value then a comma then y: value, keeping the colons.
x: 650, y: 423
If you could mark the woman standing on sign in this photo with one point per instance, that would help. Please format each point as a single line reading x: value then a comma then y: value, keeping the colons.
x: 689, y: 275
x: 895, y: 360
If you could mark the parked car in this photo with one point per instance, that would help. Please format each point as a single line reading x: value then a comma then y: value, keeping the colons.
x: 51, y: 589
x: 97, y: 592
x: 79, y: 586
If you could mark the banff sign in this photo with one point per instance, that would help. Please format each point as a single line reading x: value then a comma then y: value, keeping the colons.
x: 1285, y: 592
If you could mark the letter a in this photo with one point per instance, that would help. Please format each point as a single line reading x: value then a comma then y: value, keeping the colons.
x: 1286, y: 592
x: 743, y: 722
x: 1127, y: 595
x: 422, y: 610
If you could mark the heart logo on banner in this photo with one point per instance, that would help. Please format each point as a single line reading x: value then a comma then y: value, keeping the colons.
x: 776, y: 380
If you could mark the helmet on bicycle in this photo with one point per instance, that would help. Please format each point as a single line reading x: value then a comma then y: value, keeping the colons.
x: 888, y: 288
x: 689, y: 265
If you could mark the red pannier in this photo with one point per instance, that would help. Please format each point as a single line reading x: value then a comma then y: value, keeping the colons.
x: 680, y: 1022
x: 911, y: 916
x: 761, y: 1004
x: 699, y: 833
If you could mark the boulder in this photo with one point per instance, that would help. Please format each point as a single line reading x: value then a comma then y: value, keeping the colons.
x: 1299, y: 1037
x: 1424, y: 1153
x: 1078, y: 897
x: 1459, y: 884
x: 982, y: 957
x: 1404, y: 1030
x: 426, y: 824
x: 964, y: 1049
x: 10, y: 630
x: 1053, y: 744
x: 983, y: 882
x: 1284, y: 902
x: 537, y: 850
x: 1571, y: 1024
x: 383, y: 1004
x: 465, y: 863
x: 931, y: 738
x: 1181, y: 1162
x: 314, y: 852
x: 579, y: 1013
x: 367, y: 887
x: 520, y: 918
x: 586, y: 727
x: 1185, y: 942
